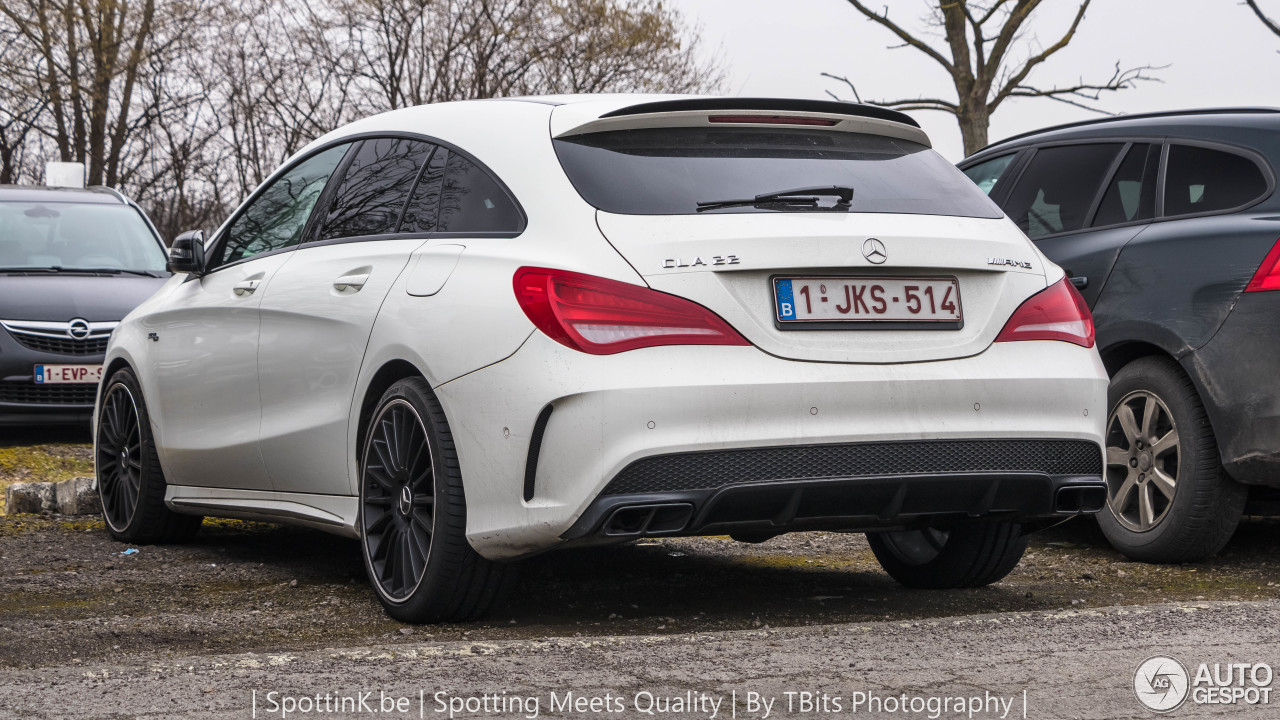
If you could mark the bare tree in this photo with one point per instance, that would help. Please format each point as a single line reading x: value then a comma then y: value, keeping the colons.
x: 1266, y: 21
x: 981, y: 56
x: 189, y: 104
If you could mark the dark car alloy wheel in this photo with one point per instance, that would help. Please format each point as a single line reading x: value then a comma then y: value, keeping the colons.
x: 1142, y: 461
x: 398, y: 502
x: 119, y: 456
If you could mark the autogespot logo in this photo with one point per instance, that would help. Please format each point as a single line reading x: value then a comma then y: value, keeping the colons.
x: 1161, y: 683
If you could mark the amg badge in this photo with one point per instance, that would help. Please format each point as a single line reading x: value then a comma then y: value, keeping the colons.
x: 1006, y: 261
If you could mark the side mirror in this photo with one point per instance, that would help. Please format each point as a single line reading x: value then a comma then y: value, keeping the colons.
x: 186, y: 255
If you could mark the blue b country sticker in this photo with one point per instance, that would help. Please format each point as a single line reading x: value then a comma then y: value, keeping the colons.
x: 39, y: 373
x: 786, y: 305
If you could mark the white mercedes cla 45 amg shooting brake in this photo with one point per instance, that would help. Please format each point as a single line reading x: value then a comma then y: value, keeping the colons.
x: 470, y: 332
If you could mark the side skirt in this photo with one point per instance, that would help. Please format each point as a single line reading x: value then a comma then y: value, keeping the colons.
x: 331, y: 513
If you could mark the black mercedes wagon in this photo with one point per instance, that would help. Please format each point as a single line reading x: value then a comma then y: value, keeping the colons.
x: 1168, y: 223
x: 73, y: 263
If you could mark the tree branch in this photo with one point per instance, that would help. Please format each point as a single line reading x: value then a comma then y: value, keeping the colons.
x: 1020, y: 75
x: 906, y: 37
x: 1271, y: 25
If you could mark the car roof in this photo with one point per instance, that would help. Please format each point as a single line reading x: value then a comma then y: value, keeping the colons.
x: 1207, y: 123
x: 96, y: 195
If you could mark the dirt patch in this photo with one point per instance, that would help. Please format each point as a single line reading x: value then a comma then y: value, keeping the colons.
x: 258, y: 587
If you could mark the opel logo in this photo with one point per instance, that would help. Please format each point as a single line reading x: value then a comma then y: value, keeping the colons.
x: 78, y: 329
x: 873, y: 251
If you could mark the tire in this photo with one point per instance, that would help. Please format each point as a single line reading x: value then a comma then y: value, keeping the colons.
x: 130, y: 482
x: 965, y: 556
x: 1167, y: 437
x: 413, y: 515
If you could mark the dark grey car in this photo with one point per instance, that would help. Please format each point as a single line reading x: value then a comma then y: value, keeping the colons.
x: 1168, y: 225
x: 72, y: 264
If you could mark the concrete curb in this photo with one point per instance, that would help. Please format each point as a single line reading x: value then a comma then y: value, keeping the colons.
x: 76, y: 496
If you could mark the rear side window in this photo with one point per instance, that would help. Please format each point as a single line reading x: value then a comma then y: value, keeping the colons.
x: 1055, y: 192
x: 668, y: 171
x: 1200, y: 180
x: 986, y: 174
x: 1132, y: 193
x: 471, y: 200
x: 375, y: 187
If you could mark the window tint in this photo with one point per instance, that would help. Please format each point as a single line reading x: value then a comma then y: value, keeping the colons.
x: 1132, y: 193
x: 423, y: 210
x: 374, y: 188
x: 668, y: 171
x: 277, y: 217
x: 986, y: 174
x: 1202, y: 180
x: 472, y: 201
x: 1058, y: 187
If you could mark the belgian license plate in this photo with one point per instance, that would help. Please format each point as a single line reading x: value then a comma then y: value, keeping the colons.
x: 56, y: 374
x: 867, y: 300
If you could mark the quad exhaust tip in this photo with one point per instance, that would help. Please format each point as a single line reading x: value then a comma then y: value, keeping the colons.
x: 1076, y: 499
x: 640, y: 520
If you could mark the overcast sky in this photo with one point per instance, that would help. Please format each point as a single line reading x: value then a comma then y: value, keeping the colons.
x: 1217, y: 51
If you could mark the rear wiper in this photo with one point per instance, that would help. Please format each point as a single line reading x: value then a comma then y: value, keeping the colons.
x: 800, y: 197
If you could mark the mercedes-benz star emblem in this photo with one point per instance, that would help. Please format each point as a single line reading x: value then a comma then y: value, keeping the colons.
x: 873, y: 251
x: 78, y: 329
x: 406, y: 499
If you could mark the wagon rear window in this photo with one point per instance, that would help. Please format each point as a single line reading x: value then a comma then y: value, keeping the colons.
x: 668, y: 171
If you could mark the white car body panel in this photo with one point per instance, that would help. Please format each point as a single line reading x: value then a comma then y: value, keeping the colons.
x: 201, y: 378
x: 257, y: 401
x: 831, y: 244
x: 316, y: 319
x: 706, y: 398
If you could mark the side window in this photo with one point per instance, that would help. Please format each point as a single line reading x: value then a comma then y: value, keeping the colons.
x: 1132, y: 192
x: 276, y: 218
x: 986, y: 174
x: 1201, y: 180
x: 374, y: 188
x: 1056, y: 190
x: 472, y: 201
x: 423, y: 210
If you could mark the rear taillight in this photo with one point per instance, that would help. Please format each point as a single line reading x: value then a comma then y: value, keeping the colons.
x: 1268, y: 275
x: 1055, y: 313
x: 602, y: 317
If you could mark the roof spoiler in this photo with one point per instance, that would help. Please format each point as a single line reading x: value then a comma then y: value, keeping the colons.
x: 775, y: 112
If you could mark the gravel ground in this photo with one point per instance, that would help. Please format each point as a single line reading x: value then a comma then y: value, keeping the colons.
x: 265, y: 588
x: 85, y: 630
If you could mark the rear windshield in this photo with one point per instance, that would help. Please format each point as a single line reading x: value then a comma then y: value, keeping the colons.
x: 72, y: 236
x: 668, y: 171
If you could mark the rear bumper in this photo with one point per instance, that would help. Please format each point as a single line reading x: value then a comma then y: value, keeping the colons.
x: 1238, y: 375
x: 861, y: 486
x: 528, y: 486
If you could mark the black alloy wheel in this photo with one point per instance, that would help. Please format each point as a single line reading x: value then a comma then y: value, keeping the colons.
x: 119, y: 456
x: 398, y: 502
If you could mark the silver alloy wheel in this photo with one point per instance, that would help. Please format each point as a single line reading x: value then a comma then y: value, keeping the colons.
x: 1142, y: 461
x: 397, y: 500
x: 917, y: 547
x: 119, y: 456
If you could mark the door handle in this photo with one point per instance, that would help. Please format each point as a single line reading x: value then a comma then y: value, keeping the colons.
x: 354, y: 282
x: 1080, y: 282
x: 246, y: 287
